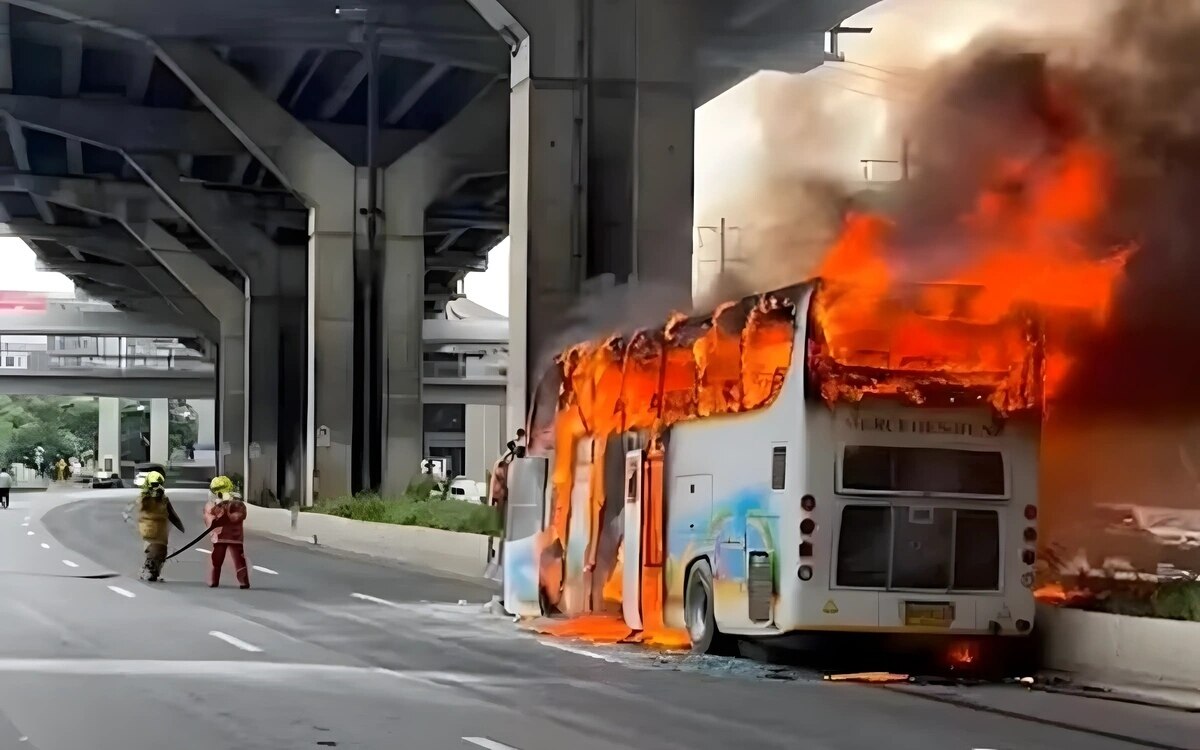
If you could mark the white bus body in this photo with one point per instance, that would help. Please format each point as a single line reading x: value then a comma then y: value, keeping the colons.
x: 874, y: 516
x: 936, y: 546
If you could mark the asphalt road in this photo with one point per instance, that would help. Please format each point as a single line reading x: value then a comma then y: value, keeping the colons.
x: 328, y: 651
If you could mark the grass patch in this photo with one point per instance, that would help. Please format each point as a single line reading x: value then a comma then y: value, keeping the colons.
x: 415, y: 508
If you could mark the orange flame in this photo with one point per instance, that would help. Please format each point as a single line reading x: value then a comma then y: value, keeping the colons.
x: 962, y: 654
x: 1025, y: 252
x: 733, y: 361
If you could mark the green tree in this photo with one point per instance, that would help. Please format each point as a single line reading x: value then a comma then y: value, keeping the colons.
x: 81, y: 419
x: 63, y: 426
x: 54, y: 441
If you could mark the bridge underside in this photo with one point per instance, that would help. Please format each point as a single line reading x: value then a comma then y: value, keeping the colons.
x: 205, y: 167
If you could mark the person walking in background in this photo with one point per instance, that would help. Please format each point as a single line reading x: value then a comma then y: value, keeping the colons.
x: 225, y: 513
x: 6, y: 483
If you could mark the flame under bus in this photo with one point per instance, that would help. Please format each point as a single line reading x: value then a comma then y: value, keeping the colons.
x: 780, y: 466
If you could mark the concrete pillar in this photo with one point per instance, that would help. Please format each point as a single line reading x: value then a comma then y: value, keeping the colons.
x: 331, y: 343
x: 275, y: 375
x: 601, y: 159
x: 408, y: 190
x: 227, y: 303
x: 160, y: 429
x: 411, y: 184
x: 109, y: 437
x: 485, y: 439
x: 206, y: 420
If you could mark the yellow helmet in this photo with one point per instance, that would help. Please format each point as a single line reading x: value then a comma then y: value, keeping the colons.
x: 155, y: 480
x: 220, y: 485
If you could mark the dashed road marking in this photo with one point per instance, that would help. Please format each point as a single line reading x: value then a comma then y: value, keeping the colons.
x: 122, y: 592
x: 375, y: 599
x: 205, y: 551
x: 236, y: 642
x: 261, y: 569
x: 70, y: 564
x: 25, y: 525
x: 28, y: 533
x: 489, y: 744
x: 45, y: 546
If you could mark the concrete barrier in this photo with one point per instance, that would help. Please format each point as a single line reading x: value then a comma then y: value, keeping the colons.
x: 1117, y: 648
x: 447, y: 551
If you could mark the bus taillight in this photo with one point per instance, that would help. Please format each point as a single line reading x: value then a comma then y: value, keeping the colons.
x: 1031, y: 512
x: 808, y: 503
x: 1029, y: 557
x: 806, y: 549
x: 1030, y: 534
x: 808, y: 526
x: 805, y: 573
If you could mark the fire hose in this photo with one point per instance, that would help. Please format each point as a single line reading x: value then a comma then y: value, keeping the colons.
x: 192, y: 543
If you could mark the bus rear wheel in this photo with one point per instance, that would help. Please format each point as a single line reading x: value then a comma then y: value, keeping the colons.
x: 698, y: 613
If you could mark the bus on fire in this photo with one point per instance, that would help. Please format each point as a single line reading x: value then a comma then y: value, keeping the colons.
x: 779, y: 466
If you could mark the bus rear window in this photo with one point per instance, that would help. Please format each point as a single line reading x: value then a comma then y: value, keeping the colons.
x: 883, y: 468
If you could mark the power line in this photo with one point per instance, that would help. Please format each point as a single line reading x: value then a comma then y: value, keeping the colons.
x: 869, y: 78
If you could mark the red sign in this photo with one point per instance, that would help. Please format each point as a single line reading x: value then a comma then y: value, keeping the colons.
x: 22, y: 301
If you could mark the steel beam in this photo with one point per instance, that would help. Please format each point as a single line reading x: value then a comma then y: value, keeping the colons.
x: 345, y: 89
x: 141, y: 68
x: 121, y: 126
x: 413, y: 95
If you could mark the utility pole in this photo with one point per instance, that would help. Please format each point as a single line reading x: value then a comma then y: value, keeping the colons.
x: 838, y: 30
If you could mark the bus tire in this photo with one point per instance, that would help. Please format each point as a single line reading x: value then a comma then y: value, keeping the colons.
x: 698, y: 612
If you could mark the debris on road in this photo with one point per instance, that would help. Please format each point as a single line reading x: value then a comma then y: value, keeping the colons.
x: 867, y: 677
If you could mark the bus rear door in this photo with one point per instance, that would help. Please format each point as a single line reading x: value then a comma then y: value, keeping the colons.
x: 631, y: 584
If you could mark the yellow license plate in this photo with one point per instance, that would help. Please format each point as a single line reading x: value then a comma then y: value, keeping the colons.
x: 928, y: 615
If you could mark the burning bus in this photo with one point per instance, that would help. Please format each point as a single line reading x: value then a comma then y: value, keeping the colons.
x: 824, y: 457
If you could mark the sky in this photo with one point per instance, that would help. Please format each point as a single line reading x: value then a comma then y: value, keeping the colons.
x: 856, y: 118
x: 18, y: 270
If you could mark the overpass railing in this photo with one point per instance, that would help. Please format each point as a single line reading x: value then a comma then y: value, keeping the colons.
x: 24, y: 362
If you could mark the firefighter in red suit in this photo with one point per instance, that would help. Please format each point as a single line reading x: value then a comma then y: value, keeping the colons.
x: 226, y: 514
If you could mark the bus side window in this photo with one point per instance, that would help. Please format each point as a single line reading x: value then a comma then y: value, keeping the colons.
x: 778, y: 466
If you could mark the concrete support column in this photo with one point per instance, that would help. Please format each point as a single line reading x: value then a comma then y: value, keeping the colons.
x: 273, y: 371
x: 407, y: 192
x: 109, y: 437
x: 485, y: 439
x: 331, y: 346
x: 206, y: 421
x: 227, y: 303
x: 601, y: 160
x: 160, y: 430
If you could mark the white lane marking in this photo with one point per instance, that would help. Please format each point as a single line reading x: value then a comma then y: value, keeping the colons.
x: 205, y: 551
x: 236, y: 642
x: 45, y: 546
x: 28, y: 533
x: 26, y: 518
x: 374, y: 599
x: 70, y: 564
x: 25, y: 525
x: 489, y: 744
x: 122, y: 592
x: 261, y: 569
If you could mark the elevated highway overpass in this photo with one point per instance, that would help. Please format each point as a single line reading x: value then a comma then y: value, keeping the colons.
x: 301, y: 188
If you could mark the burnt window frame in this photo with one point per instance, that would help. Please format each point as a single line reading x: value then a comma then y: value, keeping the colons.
x: 779, y: 451
x: 1005, y: 468
x: 889, y: 510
